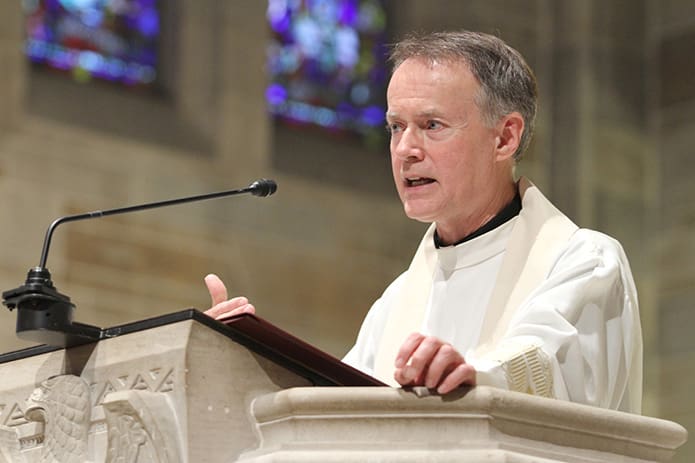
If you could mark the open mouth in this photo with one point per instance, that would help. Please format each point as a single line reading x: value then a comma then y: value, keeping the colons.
x: 418, y: 181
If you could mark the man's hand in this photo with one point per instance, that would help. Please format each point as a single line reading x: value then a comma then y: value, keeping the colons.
x: 221, y: 306
x: 427, y: 361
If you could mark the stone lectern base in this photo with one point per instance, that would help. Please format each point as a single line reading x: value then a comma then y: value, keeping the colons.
x: 186, y: 389
x: 179, y: 392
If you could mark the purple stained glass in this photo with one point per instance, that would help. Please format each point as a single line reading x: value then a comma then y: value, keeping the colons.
x: 327, y: 64
x: 276, y: 94
x: 348, y: 12
x: 108, y: 40
x: 148, y: 22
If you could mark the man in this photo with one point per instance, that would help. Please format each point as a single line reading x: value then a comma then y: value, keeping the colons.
x: 535, y: 303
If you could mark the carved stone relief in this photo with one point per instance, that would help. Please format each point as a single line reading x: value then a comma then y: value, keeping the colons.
x: 9, y: 446
x: 141, y: 422
x: 63, y: 404
x: 142, y: 426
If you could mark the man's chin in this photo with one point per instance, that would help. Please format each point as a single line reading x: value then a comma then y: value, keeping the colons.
x: 419, y: 214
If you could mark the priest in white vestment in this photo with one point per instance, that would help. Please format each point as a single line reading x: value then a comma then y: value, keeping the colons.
x: 571, y: 331
x: 504, y: 290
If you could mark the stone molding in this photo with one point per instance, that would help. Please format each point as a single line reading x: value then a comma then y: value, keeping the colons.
x: 480, y: 424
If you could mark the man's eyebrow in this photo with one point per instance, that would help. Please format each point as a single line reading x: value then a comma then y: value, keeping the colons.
x: 419, y: 115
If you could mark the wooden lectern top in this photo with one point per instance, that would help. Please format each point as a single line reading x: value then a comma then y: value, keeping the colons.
x: 287, y: 350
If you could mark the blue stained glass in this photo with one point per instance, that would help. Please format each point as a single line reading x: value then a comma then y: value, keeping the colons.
x: 53, y: 5
x: 104, y: 39
x: 373, y: 115
x: 327, y: 64
x: 348, y: 13
x: 148, y: 22
x: 360, y: 94
x: 92, y: 17
x: 276, y: 94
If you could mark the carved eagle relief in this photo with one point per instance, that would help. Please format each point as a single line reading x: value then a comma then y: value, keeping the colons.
x: 142, y: 426
x: 62, y: 403
x: 9, y: 446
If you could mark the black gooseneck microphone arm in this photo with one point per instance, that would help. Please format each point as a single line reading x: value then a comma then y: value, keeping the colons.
x: 46, y: 316
x: 262, y: 187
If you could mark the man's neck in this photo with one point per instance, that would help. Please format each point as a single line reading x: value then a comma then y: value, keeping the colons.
x: 506, y: 212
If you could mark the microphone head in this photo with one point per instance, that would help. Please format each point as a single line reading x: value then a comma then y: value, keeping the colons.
x: 263, y: 187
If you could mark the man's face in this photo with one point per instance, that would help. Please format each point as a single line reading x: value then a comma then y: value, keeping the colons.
x: 443, y: 155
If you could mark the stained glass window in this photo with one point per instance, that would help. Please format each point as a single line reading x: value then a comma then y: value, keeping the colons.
x: 326, y: 65
x: 112, y: 40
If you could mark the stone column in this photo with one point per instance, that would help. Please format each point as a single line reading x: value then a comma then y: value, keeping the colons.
x: 12, y: 63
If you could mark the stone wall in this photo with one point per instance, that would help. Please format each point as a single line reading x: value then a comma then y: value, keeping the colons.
x: 611, y: 149
x: 671, y: 35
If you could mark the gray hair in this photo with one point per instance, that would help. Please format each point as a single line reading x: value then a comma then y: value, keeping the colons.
x: 507, y: 83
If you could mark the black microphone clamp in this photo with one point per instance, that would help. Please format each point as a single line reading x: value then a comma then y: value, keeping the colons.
x: 46, y: 316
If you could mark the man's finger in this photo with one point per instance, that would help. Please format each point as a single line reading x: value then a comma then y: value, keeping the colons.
x: 425, y: 353
x: 227, y: 307
x: 445, y: 360
x: 216, y: 288
x: 415, y: 368
x: 246, y: 308
x: 407, y: 348
x: 462, y: 374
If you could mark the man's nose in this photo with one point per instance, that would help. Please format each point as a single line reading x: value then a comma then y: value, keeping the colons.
x: 409, y: 145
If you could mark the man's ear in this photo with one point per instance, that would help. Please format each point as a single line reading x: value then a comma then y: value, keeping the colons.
x: 510, y: 128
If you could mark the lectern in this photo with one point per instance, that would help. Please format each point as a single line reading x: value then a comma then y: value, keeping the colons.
x: 185, y: 388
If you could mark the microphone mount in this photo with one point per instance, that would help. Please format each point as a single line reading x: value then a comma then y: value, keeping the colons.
x: 46, y: 316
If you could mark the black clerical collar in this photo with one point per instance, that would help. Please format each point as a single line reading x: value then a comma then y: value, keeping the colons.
x: 509, y: 211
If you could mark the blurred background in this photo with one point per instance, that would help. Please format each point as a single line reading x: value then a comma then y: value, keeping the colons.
x: 108, y: 103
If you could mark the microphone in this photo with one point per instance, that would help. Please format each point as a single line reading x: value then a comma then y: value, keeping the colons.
x: 44, y: 315
x: 263, y: 187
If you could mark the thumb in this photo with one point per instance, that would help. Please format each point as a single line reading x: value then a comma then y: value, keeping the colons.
x: 216, y: 288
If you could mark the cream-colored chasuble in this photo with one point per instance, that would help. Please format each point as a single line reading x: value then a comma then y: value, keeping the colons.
x: 536, y: 305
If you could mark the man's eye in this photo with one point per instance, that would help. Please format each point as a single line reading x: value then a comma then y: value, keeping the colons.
x: 433, y: 125
x: 393, y: 128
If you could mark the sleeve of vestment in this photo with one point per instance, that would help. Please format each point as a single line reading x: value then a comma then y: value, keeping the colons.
x: 577, y: 336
